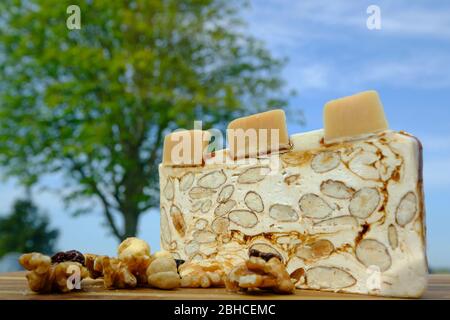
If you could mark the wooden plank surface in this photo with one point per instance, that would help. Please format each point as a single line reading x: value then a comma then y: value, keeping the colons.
x: 14, y: 286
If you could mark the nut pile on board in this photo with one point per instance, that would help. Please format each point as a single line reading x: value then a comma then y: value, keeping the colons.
x: 133, y: 267
x: 136, y: 267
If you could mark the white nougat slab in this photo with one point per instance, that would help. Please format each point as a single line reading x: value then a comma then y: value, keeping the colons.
x: 346, y: 217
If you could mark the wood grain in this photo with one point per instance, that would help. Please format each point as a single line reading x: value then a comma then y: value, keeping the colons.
x: 14, y: 286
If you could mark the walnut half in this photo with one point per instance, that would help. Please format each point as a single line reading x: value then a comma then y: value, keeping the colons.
x: 202, y: 274
x: 45, y: 277
x: 259, y: 274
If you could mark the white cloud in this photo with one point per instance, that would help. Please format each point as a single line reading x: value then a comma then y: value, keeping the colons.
x: 407, y: 20
x: 286, y: 20
x: 308, y: 76
x: 419, y: 71
x: 304, y: 31
x: 286, y: 23
x: 424, y: 70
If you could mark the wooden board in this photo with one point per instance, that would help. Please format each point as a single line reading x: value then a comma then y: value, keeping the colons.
x: 14, y: 286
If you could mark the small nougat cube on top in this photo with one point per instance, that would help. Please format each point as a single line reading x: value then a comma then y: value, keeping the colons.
x: 185, y: 148
x: 353, y: 116
x: 258, y: 134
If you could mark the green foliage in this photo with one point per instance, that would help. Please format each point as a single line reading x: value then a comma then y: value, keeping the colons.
x: 95, y: 104
x: 25, y: 229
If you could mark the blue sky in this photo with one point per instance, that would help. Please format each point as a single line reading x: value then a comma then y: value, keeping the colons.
x: 332, y: 54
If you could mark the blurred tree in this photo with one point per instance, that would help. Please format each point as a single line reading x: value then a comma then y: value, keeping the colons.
x: 25, y: 229
x: 95, y: 103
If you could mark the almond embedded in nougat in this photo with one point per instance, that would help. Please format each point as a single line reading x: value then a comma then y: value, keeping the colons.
x: 258, y: 134
x: 185, y: 148
x: 354, y: 115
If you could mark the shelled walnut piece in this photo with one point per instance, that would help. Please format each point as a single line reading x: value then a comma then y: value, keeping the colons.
x: 135, y: 266
x: 202, y: 274
x: 135, y: 254
x: 259, y: 274
x: 94, y: 264
x: 117, y: 274
x: 158, y: 271
x: 45, y: 276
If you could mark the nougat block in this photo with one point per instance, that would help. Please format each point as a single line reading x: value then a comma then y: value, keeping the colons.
x: 258, y: 134
x: 347, y: 217
x: 353, y: 116
x: 185, y: 148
